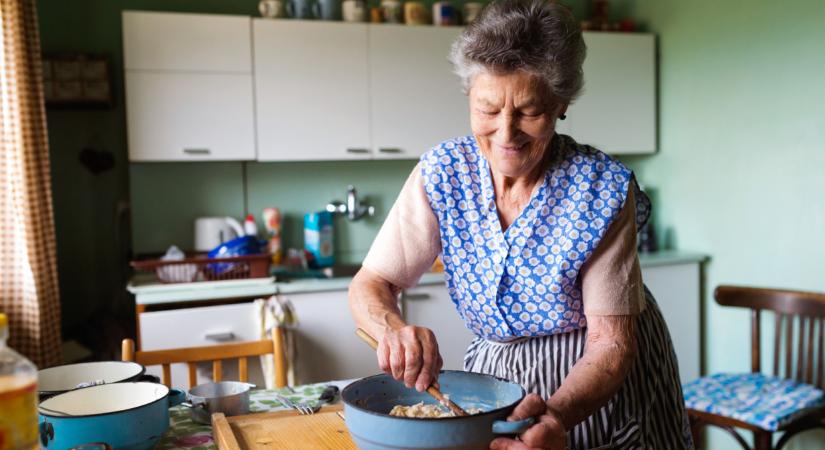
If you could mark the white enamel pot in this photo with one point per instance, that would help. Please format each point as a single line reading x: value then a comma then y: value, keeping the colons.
x: 124, y: 416
x: 59, y: 379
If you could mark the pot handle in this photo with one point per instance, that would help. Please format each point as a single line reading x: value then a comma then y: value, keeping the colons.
x: 515, y: 427
x: 176, y: 397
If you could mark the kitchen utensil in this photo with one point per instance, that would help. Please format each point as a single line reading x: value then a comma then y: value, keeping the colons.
x: 273, y: 9
x: 59, y: 379
x: 210, y: 232
x: 108, y: 413
x: 367, y: 403
x: 330, y: 9
x: 302, y: 407
x: 444, y: 14
x: 392, y: 11
x: 328, y: 395
x: 228, y: 397
x: 306, y: 9
x: 432, y: 390
x: 415, y: 13
x: 471, y: 11
x: 283, y: 430
x: 354, y: 10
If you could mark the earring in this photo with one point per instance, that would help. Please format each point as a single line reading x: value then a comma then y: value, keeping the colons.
x: 563, y: 116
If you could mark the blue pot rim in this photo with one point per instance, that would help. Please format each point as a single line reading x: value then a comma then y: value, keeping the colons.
x: 492, y: 411
x: 132, y: 378
x: 55, y: 416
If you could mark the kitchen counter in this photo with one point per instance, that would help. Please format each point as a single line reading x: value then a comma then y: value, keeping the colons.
x: 153, y: 293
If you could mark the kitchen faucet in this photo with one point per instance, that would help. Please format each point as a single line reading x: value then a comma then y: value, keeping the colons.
x: 353, y: 208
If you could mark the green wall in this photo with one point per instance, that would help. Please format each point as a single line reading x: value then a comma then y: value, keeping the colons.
x: 742, y: 147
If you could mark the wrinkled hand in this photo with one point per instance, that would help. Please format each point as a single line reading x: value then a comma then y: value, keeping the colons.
x: 547, y: 434
x: 410, y: 354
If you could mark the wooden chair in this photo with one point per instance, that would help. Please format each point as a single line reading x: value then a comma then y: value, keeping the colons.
x: 214, y: 353
x: 798, y: 354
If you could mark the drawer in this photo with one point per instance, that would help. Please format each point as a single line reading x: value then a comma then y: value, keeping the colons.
x: 193, y: 327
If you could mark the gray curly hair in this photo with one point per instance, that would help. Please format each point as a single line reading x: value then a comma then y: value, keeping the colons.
x: 534, y: 36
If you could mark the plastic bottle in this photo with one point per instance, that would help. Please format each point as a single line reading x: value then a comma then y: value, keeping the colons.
x: 250, y: 228
x: 318, y: 235
x: 18, y: 397
x: 272, y: 224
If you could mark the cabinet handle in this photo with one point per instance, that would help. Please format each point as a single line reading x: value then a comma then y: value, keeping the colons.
x: 358, y: 150
x: 220, y: 337
x: 416, y: 296
x: 390, y: 150
x: 197, y: 151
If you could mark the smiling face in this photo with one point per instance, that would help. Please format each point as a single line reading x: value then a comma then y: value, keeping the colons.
x: 513, y: 118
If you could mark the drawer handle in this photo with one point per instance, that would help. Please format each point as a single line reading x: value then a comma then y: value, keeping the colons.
x: 390, y: 150
x: 358, y: 150
x: 197, y: 151
x: 416, y: 296
x: 220, y: 337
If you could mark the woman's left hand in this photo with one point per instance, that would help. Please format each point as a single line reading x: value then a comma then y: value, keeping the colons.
x: 547, y: 434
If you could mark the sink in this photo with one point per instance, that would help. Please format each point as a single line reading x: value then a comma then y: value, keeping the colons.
x: 336, y: 271
x: 341, y: 270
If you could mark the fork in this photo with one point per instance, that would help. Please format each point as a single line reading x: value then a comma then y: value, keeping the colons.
x: 302, y: 407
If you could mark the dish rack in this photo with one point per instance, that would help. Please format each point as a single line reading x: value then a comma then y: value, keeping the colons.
x: 201, y: 268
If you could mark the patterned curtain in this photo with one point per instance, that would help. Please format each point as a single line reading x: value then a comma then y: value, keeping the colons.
x: 28, y: 267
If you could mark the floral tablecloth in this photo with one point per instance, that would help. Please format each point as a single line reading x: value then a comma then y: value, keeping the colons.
x: 183, y: 433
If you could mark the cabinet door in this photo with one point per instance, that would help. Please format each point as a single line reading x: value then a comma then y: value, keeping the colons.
x: 676, y: 290
x: 416, y: 100
x: 178, y: 116
x: 311, y: 90
x: 186, y: 42
x: 430, y: 306
x: 328, y: 348
x: 195, y: 327
x: 617, y: 111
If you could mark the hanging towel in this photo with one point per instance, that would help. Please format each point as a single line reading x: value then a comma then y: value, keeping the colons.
x: 277, y: 311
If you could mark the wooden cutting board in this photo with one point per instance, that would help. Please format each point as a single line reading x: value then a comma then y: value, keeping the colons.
x: 283, y: 430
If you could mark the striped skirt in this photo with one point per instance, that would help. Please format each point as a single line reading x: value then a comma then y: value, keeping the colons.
x: 646, y: 413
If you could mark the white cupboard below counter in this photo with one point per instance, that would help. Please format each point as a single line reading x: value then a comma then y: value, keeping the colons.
x: 327, y: 345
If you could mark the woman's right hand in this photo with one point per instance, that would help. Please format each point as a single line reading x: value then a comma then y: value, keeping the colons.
x: 410, y: 354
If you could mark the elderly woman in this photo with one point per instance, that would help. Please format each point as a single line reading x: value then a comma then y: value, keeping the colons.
x: 538, y: 235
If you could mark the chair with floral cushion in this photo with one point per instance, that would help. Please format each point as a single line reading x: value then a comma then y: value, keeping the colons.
x: 788, y: 401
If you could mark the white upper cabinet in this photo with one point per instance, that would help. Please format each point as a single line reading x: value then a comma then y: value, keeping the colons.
x: 617, y: 111
x: 189, y: 94
x: 416, y: 100
x: 311, y: 87
x: 178, y: 116
x: 186, y: 42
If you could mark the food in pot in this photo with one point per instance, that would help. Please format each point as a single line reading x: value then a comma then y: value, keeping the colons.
x: 426, y: 411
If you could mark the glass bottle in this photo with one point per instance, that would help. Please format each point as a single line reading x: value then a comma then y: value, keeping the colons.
x: 18, y: 397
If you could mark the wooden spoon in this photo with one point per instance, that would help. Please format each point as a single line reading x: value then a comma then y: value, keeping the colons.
x: 432, y: 390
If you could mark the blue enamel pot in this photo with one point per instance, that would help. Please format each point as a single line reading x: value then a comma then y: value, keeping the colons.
x: 128, y: 416
x: 367, y: 403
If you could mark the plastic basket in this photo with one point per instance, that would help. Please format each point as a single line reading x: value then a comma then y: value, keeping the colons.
x: 201, y: 268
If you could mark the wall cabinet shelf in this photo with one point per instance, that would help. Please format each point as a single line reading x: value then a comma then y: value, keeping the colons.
x: 188, y: 87
x: 337, y: 91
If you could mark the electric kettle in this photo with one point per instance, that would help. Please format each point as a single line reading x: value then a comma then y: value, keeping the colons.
x: 211, y: 232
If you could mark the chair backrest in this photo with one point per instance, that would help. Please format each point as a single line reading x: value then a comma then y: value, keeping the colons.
x: 799, y: 323
x: 214, y: 353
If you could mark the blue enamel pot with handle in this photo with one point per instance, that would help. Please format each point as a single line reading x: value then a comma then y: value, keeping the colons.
x: 367, y: 403
x: 128, y: 416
